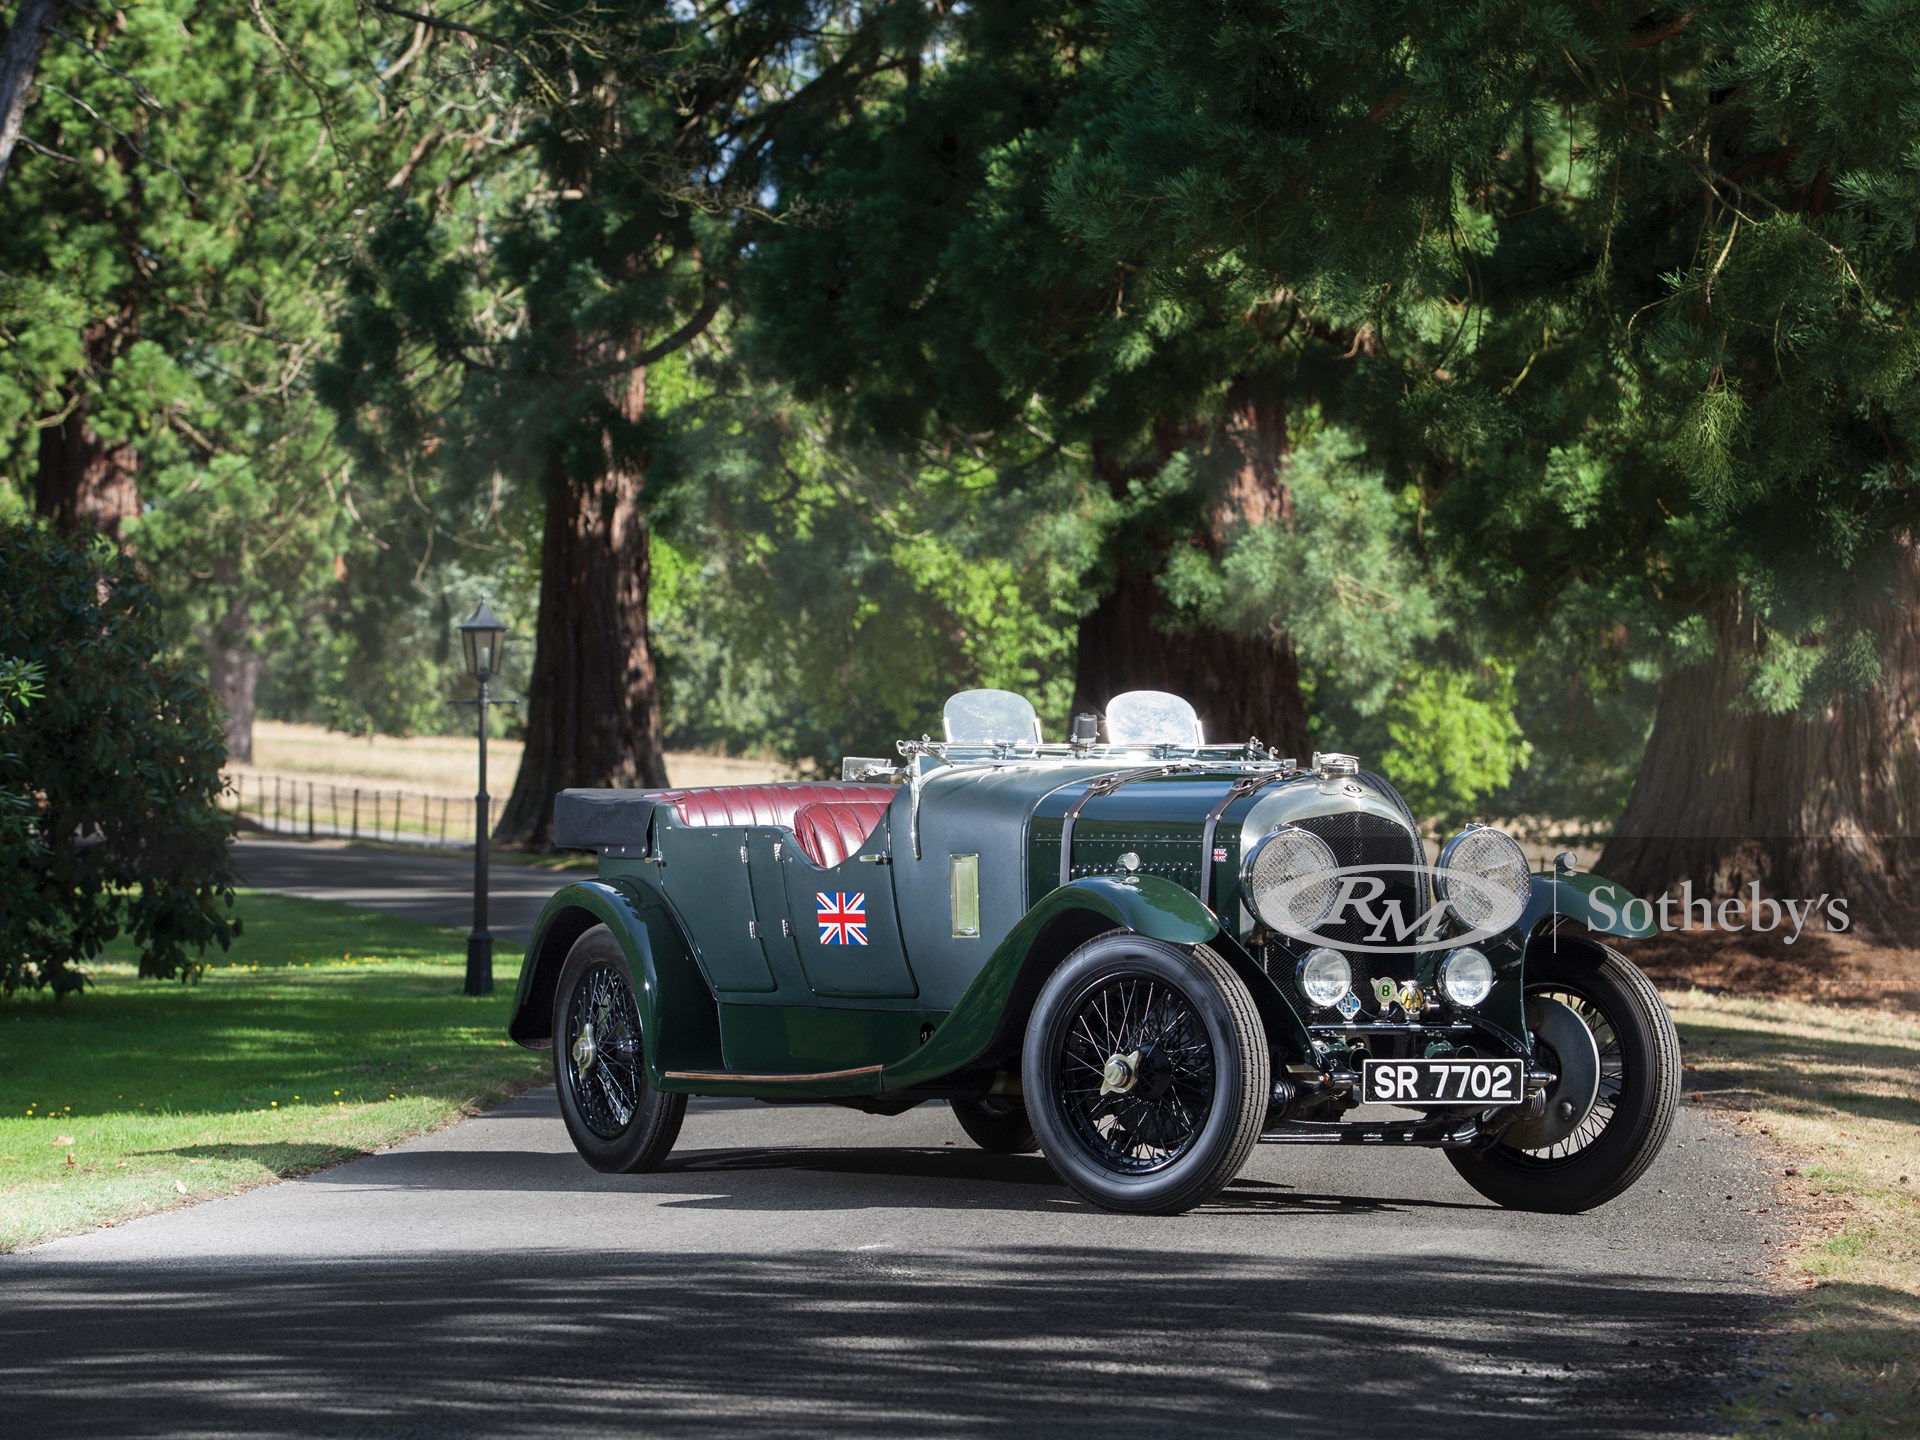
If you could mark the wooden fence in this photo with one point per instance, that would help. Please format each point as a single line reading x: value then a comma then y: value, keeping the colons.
x: 286, y: 805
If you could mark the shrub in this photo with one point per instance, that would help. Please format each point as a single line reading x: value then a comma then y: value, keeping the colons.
x: 111, y: 768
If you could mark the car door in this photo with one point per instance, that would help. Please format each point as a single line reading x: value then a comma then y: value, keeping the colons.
x: 845, y: 932
x: 707, y: 878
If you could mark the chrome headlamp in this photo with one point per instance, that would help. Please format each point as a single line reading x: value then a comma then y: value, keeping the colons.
x: 1324, y: 977
x: 1484, y: 878
x: 1466, y: 977
x: 1288, y: 879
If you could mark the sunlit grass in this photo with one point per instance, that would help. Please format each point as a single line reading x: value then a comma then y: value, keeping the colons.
x: 1839, y: 1090
x: 324, y: 1033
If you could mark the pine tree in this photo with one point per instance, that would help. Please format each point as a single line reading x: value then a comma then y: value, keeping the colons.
x: 164, y: 292
x: 1636, y: 295
x: 643, y: 134
x: 934, y: 302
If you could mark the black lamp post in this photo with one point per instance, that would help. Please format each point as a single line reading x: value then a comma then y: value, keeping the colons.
x: 482, y: 635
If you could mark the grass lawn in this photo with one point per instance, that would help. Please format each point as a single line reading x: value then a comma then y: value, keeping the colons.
x: 1833, y: 1092
x: 323, y: 1034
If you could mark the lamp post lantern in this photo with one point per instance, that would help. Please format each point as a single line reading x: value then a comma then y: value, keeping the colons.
x: 482, y: 636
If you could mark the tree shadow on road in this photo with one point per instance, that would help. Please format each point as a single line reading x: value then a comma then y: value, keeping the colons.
x: 1028, y: 1340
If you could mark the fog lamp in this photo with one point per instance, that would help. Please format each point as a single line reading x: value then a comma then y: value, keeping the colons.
x: 1466, y: 977
x: 1325, y: 976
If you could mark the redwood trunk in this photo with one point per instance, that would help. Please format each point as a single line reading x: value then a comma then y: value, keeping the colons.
x: 1243, y: 685
x: 84, y: 484
x: 1826, y: 804
x: 593, y: 703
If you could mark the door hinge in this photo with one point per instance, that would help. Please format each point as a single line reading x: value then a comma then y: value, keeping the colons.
x: 753, y: 929
x: 786, y: 928
x: 743, y: 852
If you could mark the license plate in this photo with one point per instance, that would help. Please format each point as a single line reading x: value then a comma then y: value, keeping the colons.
x: 1441, y: 1082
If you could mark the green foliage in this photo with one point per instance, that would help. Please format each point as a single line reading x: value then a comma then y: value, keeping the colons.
x: 813, y: 601
x: 1657, y: 353
x: 1340, y: 574
x: 119, y: 753
x: 20, y: 685
x: 388, y: 662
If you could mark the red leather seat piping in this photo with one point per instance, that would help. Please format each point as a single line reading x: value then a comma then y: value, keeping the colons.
x: 829, y: 833
x: 765, y: 804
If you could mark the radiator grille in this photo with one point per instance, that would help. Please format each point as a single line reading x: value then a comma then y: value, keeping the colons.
x: 1357, y: 838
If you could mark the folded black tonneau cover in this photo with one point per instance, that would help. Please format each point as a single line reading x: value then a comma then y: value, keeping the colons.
x: 603, y: 819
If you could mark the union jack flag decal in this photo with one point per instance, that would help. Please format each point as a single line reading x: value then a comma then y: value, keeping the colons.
x: 843, y: 917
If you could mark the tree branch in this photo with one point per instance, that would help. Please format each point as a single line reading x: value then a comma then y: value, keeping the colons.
x: 19, y: 59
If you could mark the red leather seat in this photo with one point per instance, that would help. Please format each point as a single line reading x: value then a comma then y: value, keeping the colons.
x: 829, y: 833
x: 765, y: 804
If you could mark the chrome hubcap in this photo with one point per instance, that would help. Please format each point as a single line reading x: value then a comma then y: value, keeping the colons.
x: 584, y: 1051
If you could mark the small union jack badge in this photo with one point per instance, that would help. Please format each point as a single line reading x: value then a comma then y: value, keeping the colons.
x: 843, y: 917
x: 1219, y: 854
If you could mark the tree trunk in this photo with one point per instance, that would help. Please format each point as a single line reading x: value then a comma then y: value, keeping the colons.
x: 1242, y: 685
x: 86, y: 485
x: 1806, y: 806
x: 593, y: 703
x: 19, y: 60
x: 233, y: 667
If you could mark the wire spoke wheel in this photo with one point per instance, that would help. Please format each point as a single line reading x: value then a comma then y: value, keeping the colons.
x: 1135, y: 1074
x: 1146, y: 1073
x: 1613, y: 1075
x: 604, y: 1068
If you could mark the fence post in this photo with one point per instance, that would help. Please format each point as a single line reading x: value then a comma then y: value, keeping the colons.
x: 309, y: 809
x: 356, y: 812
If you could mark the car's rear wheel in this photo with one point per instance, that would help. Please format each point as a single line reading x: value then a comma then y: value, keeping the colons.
x: 617, y: 1120
x: 1146, y: 1073
x: 1564, y: 1166
x: 997, y: 1124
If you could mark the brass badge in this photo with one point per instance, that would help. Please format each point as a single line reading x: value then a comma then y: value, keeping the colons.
x: 1412, y: 999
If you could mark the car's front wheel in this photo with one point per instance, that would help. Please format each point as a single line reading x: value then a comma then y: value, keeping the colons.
x: 618, y: 1121
x: 1600, y: 1137
x: 1146, y: 1073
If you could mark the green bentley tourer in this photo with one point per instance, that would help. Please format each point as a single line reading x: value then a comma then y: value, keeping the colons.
x: 1139, y: 953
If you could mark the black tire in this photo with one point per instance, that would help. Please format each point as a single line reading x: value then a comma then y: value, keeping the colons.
x: 1195, y: 1067
x: 997, y: 1124
x: 1639, y: 1089
x: 617, y: 1120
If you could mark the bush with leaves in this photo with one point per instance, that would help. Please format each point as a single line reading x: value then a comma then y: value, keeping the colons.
x: 114, y: 750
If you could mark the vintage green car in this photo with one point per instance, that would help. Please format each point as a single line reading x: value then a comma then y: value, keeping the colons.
x: 1136, y: 952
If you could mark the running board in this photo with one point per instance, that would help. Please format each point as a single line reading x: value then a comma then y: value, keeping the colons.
x: 822, y: 1084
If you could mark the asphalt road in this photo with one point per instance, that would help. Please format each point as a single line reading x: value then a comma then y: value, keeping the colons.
x: 809, y: 1270
x: 813, y: 1270
x: 437, y: 889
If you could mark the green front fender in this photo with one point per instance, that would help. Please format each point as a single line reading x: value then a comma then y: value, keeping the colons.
x: 991, y: 1015
x: 677, y: 1016
x: 1593, y: 901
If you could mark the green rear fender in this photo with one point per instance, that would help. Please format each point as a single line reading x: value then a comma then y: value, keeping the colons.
x: 990, y: 1018
x: 1592, y: 901
x: 678, y: 1020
